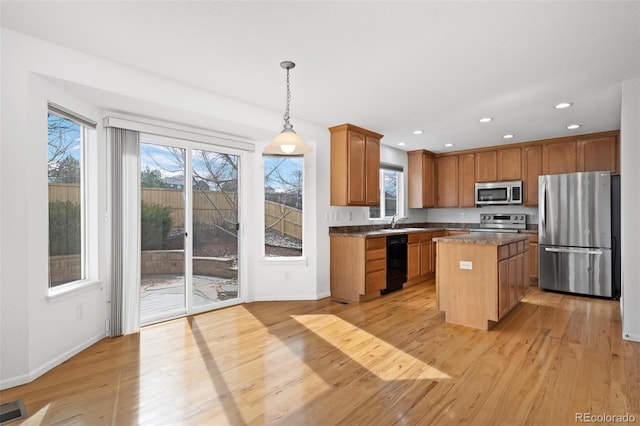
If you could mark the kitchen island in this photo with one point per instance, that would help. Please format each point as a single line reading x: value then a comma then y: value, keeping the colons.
x: 481, y: 276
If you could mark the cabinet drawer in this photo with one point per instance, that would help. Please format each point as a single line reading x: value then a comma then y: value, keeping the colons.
x: 436, y: 234
x: 376, y: 254
x: 503, y: 252
x: 414, y: 238
x: 376, y: 243
x: 513, y: 249
x: 375, y: 281
x: 376, y: 265
x: 533, y: 238
x: 425, y: 236
x: 520, y: 246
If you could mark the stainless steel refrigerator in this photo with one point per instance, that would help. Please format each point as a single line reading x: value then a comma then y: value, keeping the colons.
x: 576, y: 248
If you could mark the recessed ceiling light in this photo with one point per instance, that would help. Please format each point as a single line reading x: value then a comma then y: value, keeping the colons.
x: 448, y: 145
x: 486, y: 119
x: 418, y: 132
x: 562, y: 105
x: 508, y: 136
x: 573, y: 126
x: 401, y: 143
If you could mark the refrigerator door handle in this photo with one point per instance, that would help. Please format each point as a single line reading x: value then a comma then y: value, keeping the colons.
x: 574, y: 250
x: 543, y: 209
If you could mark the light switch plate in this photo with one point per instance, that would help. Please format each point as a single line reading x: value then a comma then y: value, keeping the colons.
x: 465, y: 264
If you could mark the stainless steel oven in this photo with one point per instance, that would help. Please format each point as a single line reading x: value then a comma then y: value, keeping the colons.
x: 501, y: 222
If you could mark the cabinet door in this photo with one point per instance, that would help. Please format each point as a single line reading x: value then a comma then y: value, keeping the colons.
x: 421, y: 179
x: 357, y: 168
x: 466, y: 190
x: 509, y: 164
x: 533, y: 261
x: 426, y: 267
x: 513, y: 281
x: 520, y: 277
x: 428, y: 181
x: 559, y: 157
x: 524, y: 273
x: 447, y: 181
x: 413, y: 261
x: 531, y: 169
x: 486, y: 166
x: 503, y: 288
x: 598, y: 154
x: 372, y: 170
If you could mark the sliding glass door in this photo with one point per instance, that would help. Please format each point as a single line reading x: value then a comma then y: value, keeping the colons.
x: 215, y: 227
x: 189, y: 228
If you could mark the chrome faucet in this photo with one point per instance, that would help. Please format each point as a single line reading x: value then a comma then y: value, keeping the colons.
x: 395, y: 219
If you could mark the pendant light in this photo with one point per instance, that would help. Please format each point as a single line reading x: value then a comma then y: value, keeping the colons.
x: 287, y: 142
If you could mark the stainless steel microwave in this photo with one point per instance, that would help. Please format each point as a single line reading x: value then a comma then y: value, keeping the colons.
x: 508, y: 192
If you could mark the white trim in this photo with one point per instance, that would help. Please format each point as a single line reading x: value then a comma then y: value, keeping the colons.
x: 71, y: 289
x: 34, y: 374
x: 282, y: 260
x: 292, y: 297
x: 177, y: 131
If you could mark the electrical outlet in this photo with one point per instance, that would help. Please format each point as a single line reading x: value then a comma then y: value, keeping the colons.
x: 461, y: 215
x: 287, y: 276
x: 465, y: 264
x: 79, y: 312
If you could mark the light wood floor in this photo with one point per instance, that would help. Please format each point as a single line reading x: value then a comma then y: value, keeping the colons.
x: 388, y: 361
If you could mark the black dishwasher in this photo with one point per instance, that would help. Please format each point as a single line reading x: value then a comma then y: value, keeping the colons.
x: 396, y: 262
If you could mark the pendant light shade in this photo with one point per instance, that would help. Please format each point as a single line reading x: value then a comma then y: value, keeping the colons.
x: 287, y: 142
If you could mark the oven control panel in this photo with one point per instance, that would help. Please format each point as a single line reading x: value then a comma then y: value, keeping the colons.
x: 505, y: 221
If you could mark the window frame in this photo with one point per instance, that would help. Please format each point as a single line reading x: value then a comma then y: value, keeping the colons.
x: 88, y: 205
x: 400, y: 182
x: 287, y: 259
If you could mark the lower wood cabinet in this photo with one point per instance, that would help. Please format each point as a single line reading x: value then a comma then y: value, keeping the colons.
x: 513, y: 275
x: 533, y: 257
x: 358, y: 266
x: 414, y: 257
x: 420, y: 264
x: 477, y: 284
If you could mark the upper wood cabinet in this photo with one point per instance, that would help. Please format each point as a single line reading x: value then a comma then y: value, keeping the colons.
x: 531, y: 169
x: 456, y: 173
x: 421, y: 179
x: 486, y: 166
x: 466, y: 180
x: 355, y: 166
x: 510, y: 164
x: 559, y: 157
x: 447, y: 181
x: 598, y: 154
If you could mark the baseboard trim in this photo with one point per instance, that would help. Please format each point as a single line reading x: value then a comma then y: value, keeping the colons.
x: 34, y: 374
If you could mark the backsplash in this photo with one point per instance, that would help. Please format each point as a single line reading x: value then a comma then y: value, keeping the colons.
x: 472, y: 215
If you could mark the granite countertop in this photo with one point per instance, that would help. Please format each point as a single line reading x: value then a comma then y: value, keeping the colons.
x: 409, y: 228
x: 378, y: 232
x: 496, y: 239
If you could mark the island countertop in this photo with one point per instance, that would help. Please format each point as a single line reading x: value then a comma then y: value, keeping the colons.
x: 492, y: 238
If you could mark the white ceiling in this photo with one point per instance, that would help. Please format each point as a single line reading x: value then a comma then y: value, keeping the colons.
x: 391, y: 67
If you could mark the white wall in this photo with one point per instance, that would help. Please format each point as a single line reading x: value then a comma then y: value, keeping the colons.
x: 629, y: 178
x: 36, y: 334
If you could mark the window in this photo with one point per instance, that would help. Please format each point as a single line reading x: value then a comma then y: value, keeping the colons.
x: 283, y: 179
x: 391, y: 190
x: 66, y: 164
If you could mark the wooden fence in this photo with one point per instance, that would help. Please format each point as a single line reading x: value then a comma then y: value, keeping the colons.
x: 209, y: 207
